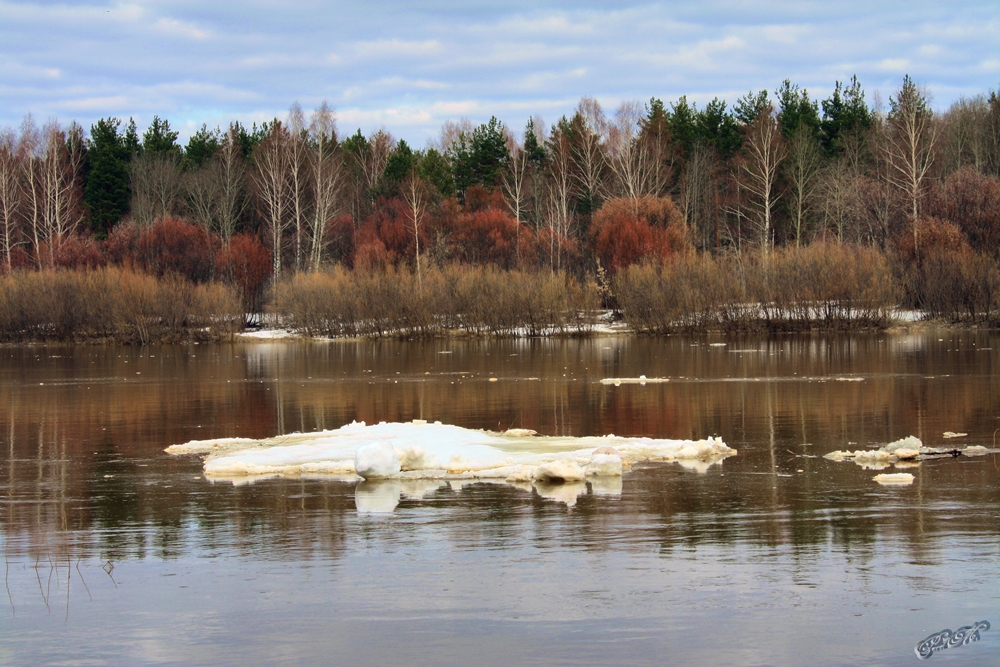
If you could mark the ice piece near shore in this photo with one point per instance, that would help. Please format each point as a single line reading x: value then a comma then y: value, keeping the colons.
x: 433, y: 451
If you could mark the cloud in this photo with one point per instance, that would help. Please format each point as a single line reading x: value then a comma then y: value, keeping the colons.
x: 415, y: 65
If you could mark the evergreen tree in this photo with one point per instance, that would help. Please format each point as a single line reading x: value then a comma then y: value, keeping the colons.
x: 795, y: 109
x: 202, y: 146
x: 434, y: 169
x: 718, y: 128
x: 683, y: 123
x: 534, y: 150
x: 749, y: 107
x: 159, y: 138
x: 399, y: 165
x: 106, y: 193
x: 844, y: 113
x: 477, y: 160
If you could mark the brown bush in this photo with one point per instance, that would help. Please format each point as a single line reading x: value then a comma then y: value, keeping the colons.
x: 115, y: 304
x: 827, y: 286
x: 482, y: 300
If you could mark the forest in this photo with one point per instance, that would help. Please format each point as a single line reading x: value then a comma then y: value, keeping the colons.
x: 776, y: 212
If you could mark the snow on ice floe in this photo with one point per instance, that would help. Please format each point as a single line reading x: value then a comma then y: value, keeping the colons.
x: 426, y: 455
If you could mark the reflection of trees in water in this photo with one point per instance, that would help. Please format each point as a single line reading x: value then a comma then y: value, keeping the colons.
x: 83, y: 466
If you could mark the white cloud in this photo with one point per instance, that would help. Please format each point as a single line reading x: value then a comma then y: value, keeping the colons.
x: 415, y: 65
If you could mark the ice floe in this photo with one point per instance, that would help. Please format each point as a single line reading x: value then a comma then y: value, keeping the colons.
x: 904, y: 453
x: 426, y: 455
x: 896, y: 478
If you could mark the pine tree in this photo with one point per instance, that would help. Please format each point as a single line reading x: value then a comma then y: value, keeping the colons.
x: 106, y: 193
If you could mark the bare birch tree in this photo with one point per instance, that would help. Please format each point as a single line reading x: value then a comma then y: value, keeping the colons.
x: 513, y: 183
x: 415, y: 195
x: 10, y: 197
x: 327, y: 173
x: 757, y: 173
x: 558, y: 209
x: 909, y: 145
x: 698, y: 194
x: 271, y: 178
x: 231, y: 172
x: 298, y: 166
x: 590, y: 126
x: 802, y: 167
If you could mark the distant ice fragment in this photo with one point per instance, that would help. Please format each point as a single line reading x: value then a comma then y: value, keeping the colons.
x: 642, y: 379
x: 377, y: 460
x: 951, y: 434
x: 894, y: 478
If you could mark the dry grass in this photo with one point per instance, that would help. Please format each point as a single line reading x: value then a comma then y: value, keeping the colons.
x: 825, y: 286
x: 481, y: 300
x: 113, y: 304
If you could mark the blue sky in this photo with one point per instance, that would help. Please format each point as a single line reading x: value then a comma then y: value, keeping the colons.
x: 410, y: 66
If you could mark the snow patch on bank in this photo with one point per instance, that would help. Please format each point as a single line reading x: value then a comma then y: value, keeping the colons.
x: 420, y: 451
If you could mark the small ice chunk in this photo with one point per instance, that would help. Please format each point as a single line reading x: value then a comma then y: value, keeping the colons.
x: 520, y: 433
x: 907, y: 453
x: 377, y: 497
x: 376, y: 460
x: 604, y: 465
x: 976, y: 450
x: 560, y: 470
x: 909, y: 442
x: 894, y: 478
x: 952, y: 434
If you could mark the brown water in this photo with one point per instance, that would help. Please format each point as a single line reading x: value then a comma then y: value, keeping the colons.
x: 116, y: 553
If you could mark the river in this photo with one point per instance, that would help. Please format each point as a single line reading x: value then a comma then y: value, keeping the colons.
x: 117, y: 553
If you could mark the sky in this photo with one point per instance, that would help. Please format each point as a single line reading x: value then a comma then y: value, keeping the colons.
x: 409, y: 66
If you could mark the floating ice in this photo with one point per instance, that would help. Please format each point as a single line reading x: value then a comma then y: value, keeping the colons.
x: 897, y: 478
x: 906, y: 449
x: 642, y: 379
x: 410, y: 452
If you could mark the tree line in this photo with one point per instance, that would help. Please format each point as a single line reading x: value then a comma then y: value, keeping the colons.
x: 597, y: 188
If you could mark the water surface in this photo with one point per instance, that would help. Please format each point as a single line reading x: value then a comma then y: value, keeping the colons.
x: 116, y: 553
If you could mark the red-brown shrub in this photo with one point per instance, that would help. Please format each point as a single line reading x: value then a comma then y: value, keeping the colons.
x: 626, y: 231
x: 245, y: 263
x: 77, y: 252
x: 486, y: 236
x: 933, y: 236
x: 175, y: 246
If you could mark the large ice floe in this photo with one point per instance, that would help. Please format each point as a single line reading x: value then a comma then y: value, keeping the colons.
x: 388, y: 456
